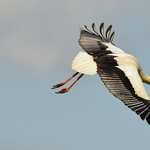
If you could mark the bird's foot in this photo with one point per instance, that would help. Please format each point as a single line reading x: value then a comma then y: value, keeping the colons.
x: 58, y: 85
x: 64, y: 90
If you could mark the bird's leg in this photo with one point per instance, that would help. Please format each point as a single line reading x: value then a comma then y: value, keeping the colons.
x: 62, y: 83
x: 64, y: 90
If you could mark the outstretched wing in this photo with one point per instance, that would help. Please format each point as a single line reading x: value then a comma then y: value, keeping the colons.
x: 121, y: 79
x: 120, y: 85
x: 93, y: 42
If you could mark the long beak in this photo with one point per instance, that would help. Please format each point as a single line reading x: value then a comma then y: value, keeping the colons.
x: 64, y: 90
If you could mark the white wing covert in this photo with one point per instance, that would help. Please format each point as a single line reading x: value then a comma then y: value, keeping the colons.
x: 116, y: 76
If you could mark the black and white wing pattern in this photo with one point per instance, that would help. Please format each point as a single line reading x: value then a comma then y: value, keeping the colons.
x: 121, y: 76
x: 120, y: 85
x: 93, y: 42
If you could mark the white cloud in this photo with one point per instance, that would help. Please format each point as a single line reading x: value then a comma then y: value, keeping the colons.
x: 37, y: 59
x: 24, y: 41
x: 33, y: 31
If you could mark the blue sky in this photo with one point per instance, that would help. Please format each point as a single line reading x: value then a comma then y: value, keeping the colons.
x: 38, y: 41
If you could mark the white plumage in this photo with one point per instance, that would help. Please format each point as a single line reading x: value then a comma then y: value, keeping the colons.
x: 120, y: 72
x: 84, y: 63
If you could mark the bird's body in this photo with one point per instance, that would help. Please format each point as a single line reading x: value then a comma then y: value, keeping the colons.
x: 120, y: 72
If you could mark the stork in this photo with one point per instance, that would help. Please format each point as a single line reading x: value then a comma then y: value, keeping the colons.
x: 120, y: 72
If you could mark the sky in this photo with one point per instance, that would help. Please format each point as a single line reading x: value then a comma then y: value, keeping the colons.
x: 38, y: 41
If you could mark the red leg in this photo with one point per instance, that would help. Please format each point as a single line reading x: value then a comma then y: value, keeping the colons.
x: 62, y: 83
x: 64, y: 90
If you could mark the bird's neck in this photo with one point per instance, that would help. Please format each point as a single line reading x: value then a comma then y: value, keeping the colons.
x: 145, y: 78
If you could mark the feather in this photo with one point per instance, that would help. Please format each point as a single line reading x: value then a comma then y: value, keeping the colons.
x: 108, y: 32
x: 102, y: 30
x: 112, y: 36
x: 87, y: 28
x: 93, y: 27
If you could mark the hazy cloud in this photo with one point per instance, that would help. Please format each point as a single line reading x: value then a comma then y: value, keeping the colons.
x: 34, y: 33
x: 29, y: 56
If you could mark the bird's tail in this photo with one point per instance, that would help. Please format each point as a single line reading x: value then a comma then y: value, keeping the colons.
x: 84, y: 63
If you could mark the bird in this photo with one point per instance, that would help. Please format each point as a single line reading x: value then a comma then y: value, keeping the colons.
x: 120, y: 72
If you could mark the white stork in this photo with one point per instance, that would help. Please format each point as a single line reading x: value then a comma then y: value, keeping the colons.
x: 120, y: 72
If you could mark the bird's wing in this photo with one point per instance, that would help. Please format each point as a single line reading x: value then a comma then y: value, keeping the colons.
x: 94, y: 42
x: 119, y: 82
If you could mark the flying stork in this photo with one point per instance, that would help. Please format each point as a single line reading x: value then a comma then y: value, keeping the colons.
x: 120, y: 72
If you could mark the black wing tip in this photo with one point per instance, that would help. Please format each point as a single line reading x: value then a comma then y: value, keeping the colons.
x: 107, y: 38
x: 148, y: 120
x: 102, y: 24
